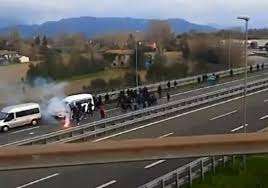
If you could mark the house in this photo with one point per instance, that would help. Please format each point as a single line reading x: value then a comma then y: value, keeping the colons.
x: 121, y: 58
x: 24, y: 59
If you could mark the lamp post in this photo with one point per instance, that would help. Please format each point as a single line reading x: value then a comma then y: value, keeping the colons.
x: 137, y: 73
x: 246, y: 19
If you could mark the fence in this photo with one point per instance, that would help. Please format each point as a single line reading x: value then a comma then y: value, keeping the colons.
x: 188, y: 173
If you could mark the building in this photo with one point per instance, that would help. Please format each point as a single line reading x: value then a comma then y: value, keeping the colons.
x: 8, y: 57
x: 120, y: 58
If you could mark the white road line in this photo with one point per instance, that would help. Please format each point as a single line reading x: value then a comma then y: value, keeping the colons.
x: 265, y: 101
x: 154, y: 164
x: 174, y: 117
x: 238, y: 128
x: 37, y: 181
x: 24, y: 130
x: 32, y: 133
x: 166, y: 135
x: 223, y: 115
x: 107, y: 184
x: 264, y: 117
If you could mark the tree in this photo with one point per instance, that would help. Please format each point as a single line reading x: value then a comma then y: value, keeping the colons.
x: 131, y: 42
x: 44, y: 41
x: 161, y: 33
x: 37, y: 41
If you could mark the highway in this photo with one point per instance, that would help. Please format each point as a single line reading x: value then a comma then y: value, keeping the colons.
x: 224, y: 117
x: 179, y: 94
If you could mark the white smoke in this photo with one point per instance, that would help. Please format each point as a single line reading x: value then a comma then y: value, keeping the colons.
x: 47, y: 93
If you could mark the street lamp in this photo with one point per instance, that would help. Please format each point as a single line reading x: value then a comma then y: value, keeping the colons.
x: 246, y: 19
x: 137, y: 74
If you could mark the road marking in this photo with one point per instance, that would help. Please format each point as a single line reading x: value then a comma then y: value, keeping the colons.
x: 24, y: 130
x: 174, y: 117
x: 224, y: 115
x: 31, y: 133
x: 154, y: 164
x: 264, y: 117
x: 107, y: 184
x: 37, y: 181
x: 265, y: 101
x: 238, y: 128
x: 166, y: 135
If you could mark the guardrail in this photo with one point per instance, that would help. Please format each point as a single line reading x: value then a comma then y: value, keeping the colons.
x: 186, y: 174
x: 189, y: 80
x: 106, y: 126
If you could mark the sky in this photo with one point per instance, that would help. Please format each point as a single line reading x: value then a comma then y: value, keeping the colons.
x: 220, y: 12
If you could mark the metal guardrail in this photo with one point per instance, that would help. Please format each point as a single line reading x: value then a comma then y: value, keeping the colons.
x: 186, y: 174
x: 188, y: 80
x: 102, y: 127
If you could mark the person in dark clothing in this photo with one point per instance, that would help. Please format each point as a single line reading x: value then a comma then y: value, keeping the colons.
x: 175, y: 84
x: 231, y: 73
x: 262, y: 66
x: 168, y: 85
x: 159, y: 91
x: 168, y: 96
x: 107, y: 98
x: 258, y: 67
x: 199, y: 80
x: 76, y: 115
x: 89, y: 108
x: 100, y: 100
x: 251, y: 69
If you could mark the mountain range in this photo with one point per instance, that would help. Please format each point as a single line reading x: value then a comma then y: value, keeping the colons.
x: 92, y: 26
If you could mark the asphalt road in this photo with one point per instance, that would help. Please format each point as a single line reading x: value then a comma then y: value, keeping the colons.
x: 224, y: 117
x: 179, y: 94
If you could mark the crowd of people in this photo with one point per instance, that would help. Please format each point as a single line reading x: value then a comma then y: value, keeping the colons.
x: 136, y: 99
x: 127, y: 100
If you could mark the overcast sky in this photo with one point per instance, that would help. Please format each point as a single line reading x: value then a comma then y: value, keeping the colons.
x: 221, y: 12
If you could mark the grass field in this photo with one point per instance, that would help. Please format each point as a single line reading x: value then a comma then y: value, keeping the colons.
x: 255, y: 175
x: 75, y: 84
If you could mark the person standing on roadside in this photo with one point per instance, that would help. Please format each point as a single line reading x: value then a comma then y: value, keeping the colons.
x: 159, y: 91
x: 168, y: 96
x: 102, y: 112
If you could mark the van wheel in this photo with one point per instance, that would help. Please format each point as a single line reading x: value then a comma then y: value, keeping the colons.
x: 34, y: 122
x: 5, y: 129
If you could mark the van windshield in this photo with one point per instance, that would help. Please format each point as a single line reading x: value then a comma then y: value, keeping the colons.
x: 3, y: 115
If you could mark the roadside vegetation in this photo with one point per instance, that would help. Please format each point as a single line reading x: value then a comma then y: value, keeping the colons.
x: 255, y: 175
x: 162, y: 55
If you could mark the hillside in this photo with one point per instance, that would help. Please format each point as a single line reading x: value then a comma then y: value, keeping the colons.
x: 91, y: 26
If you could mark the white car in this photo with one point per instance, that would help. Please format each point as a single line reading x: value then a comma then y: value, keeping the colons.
x: 19, y: 115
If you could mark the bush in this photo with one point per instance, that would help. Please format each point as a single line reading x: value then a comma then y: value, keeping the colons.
x: 98, y: 84
x: 115, y: 83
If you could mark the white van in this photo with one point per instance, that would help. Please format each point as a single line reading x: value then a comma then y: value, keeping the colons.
x: 83, y: 99
x: 19, y: 115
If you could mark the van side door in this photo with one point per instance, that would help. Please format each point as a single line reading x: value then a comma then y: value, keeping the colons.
x: 21, y: 118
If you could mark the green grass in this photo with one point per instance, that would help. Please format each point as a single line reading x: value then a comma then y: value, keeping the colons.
x: 105, y: 74
x: 255, y: 175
